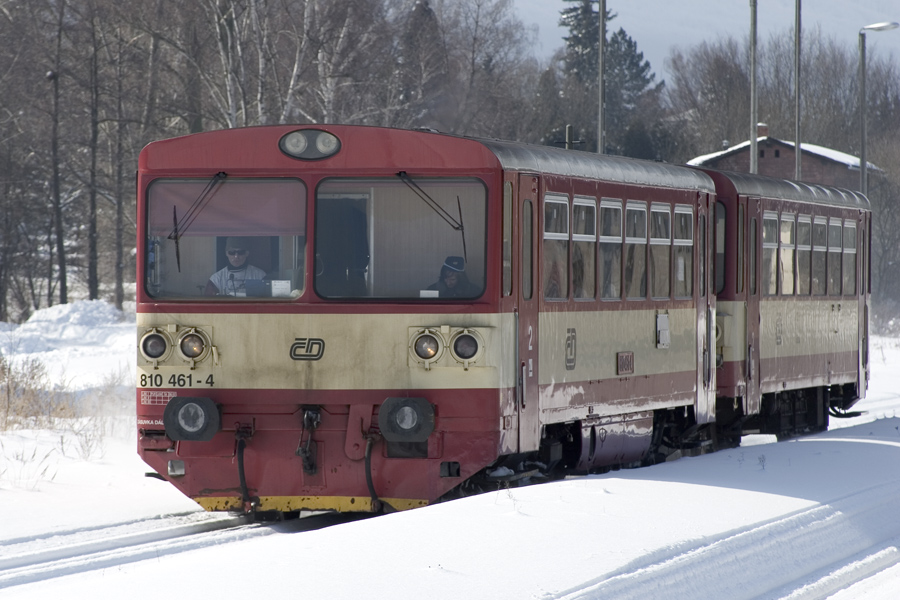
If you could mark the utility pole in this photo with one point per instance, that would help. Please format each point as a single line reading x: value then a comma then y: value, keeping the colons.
x: 601, y: 123
x: 754, y: 116
x: 798, y: 149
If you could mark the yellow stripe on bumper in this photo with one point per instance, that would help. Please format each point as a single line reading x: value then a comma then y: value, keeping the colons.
x: 294, y: 503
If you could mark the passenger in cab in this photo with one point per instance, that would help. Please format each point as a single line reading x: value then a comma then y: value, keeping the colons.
x: 453, y: 282
x: 231, y: 281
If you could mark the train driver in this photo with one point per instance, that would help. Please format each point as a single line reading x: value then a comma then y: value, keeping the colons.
x: 453, y: 282
x: 230, y: 281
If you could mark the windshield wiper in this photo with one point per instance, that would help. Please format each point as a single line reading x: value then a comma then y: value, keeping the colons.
x: 180, y: 227
x: 457, y: 225
x: 442, y: 213
x: 174, y: 236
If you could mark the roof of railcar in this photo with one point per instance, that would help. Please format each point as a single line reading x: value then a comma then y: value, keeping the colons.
x: 517, y: 156
x: 747, y: 184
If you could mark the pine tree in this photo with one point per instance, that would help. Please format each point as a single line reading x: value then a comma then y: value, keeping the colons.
x: 632, y: 97
x: 423, y: 61
x: 581, y: 59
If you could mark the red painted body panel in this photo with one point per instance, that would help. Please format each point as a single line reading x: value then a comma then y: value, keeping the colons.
x: 467, y: 431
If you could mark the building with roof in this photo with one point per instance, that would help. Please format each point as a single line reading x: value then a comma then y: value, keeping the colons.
x: 777, y: 159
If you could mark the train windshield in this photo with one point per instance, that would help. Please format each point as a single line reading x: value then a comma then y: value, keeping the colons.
x: 400, y: 238
x: 228, y: 238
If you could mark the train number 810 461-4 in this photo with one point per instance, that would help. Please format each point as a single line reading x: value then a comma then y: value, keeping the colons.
x: 150, y: 380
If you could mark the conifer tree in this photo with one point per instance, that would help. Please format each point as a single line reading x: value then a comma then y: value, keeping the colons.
x: 632, y: 97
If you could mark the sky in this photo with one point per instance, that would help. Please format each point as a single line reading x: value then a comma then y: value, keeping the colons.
x: 808, y: 518
x: 659, y: 25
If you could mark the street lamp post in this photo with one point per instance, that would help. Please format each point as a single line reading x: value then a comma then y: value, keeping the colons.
x: 863, y: 164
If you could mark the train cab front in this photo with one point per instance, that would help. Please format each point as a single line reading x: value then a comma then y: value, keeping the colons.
x: 316, y: 341
x: 351, y: 443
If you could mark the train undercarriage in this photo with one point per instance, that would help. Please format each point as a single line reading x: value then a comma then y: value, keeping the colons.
x: 566, y: 448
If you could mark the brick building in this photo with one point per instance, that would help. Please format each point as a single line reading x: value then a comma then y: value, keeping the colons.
x: 776, y: 159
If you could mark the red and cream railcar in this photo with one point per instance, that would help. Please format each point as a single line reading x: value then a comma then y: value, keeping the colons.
x: 793, y: 294
x: 301, y: 345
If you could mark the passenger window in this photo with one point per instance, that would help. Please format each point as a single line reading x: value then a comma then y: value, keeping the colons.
x: 636, y: 250
x: 819, y: 252
x: 556, y: 248
x: 684, y: 251
x: 804, y: 254
x: 770, y: 254
x: 584, y: 242
x: 704, y: 259
x: 739, y: 263
x: 660, y: 250
x: 787, y: 243
x: 754, y: 238
x: 610, y: 249
x: 849, y: 287
x: 864, y: 274
x: 527, y: 250
x: 507, y: 238
x: 720, y: 247
x: 835, y: 245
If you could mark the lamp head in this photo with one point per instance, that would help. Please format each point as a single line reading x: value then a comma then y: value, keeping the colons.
x: 887, y: 25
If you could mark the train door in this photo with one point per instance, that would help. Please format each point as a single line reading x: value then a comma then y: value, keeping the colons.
x: 862, y: 257
x: 752, y: 396
x: 706, y: 312
x: 527, y: 392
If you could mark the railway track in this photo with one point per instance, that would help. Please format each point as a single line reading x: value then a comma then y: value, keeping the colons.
x: 55, y: 554
x: 833, y: 546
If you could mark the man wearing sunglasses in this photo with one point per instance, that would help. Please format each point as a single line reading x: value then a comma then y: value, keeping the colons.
x: 230, y: 280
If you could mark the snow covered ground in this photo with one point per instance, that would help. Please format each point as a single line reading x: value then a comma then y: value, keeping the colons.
x: 810, y: 518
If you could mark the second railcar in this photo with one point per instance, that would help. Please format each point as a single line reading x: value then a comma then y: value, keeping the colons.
x: 792, y: 286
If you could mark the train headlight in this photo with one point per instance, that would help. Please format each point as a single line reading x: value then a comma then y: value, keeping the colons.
x: 310, y: 144
x: 154, y: 346
x: 294, y: 143
x: 191, y: 419
x: 427, y: 347
x: 327, y: 143
x: 406, y: 419
x: 193, y: 345
x: 466, y: 346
